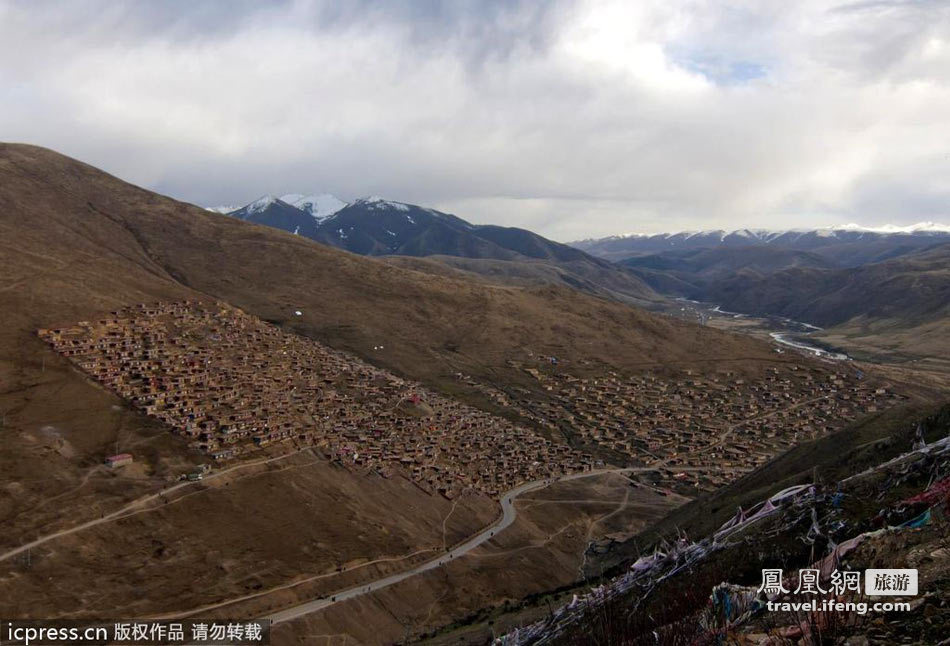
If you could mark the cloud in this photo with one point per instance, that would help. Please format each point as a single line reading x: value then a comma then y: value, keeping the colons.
x: 573, y: 118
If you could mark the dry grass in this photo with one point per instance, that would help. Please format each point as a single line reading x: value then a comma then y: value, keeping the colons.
x: 75, y: 242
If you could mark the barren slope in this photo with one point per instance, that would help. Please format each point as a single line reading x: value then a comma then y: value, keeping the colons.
x: 75, y: 242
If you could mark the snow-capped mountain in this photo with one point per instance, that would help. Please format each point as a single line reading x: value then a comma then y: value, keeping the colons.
x: 274, y: 212
x: 261, y: 204
x: 377, y: 226
x: 920, y: 227
x: 849, y: 244
x: 376, y: 203
x: 374, y: 226
x: 297, y: 213
x: 320, y: 206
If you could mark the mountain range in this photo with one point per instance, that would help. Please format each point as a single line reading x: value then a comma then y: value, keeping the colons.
x: 885, y: 291
x: 374, y: 226
x: 886, y: 281
x: 847, y: 246
x: 900, y: 306
x: 806, y: 288
x: 77, y: 241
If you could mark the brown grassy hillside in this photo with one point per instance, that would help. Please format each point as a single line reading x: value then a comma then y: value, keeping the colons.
x: 911, y: 289
x: 75, y: 241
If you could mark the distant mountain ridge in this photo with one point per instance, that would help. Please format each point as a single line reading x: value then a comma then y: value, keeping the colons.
x: 78, y: 242
x: 693, y: 273
x: 914, y: 287
x: 374, y: 226
x: 847, y: 245
x: 882, y: 291
x: 802, y: 285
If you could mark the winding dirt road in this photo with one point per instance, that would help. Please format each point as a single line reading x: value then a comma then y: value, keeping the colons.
x: 137, y: 505
x: 509, y: 514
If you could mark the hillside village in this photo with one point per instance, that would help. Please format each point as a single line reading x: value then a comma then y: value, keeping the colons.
x: 703, y: 431
x: 230, y: 383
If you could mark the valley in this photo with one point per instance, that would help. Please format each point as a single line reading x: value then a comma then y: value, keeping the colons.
x: 395, y: 323
x: 876, y: 295
x: 235, y: 433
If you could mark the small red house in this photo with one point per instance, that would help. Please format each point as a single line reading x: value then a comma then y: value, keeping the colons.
x: 114, y: 461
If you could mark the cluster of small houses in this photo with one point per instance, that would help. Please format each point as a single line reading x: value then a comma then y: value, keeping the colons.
x: 681, y: 423
x: 230, y: 383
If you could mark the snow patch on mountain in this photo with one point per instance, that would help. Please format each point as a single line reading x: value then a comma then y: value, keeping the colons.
x: 260, y: 203
x: 320, y: 205
x: 224, y: 209
x: 920, y: 227
x: 768, y: 235
x: 379, y: 204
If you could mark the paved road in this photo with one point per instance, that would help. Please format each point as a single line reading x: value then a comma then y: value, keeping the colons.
x: 508, y: 517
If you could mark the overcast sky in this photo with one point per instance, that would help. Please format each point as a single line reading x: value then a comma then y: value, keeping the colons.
x: 574, y: 119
